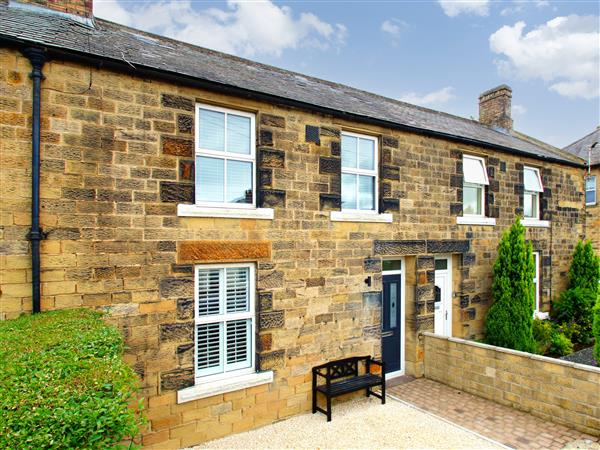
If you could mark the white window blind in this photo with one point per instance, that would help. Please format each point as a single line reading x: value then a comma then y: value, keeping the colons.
x: 359, y: 172
x: 224, y: 320
x: 474, y: 170
x: 532, y: 180
x: 225, y: 157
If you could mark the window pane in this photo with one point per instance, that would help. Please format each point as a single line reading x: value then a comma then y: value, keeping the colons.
x: 237, y: 298
x: 238, y: 134
x: 531, y: 179
x: 209, y: 348
x: 366, y: 154
x: 349, y: 147
x: 472, y: 200
x: 209, y: 179
x: 474, y: 171
x: 590, y: 197
x: 208, y: 292
x: 530, y: 206
x: 348, y: 191
x: 212, y: 130
x: 239, y: 181
x: 395, y: 264
x: 590, y: 183
x: 238, y: 344
x: 366, y: 192
x: 441, y: 264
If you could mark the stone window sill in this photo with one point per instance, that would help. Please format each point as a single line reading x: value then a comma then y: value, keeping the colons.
x: 184, y: 210
x: 360, y: 216
x: 535, y: 223
x: 223, y: 386
x: 475, y: 220
x: 541, y: 315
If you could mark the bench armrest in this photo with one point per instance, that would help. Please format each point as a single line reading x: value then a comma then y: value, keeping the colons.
x: 318, y: 372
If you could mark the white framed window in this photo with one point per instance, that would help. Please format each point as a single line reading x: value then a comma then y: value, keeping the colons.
x: 590, y: 190
x: 531, y: 197
x: 224, y: 321
x: 359, y: 172
x: 536, y: 282
x: 225, y: 157
x: 475, y: 178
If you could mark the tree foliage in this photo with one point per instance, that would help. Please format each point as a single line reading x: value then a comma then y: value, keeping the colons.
x: 585, y: 268
x: 510, y: 319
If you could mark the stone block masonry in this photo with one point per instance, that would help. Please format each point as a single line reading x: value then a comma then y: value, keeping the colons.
x: 117, y: 159
x: 559, y: 391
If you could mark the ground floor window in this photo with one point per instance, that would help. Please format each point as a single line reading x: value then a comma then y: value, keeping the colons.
x: 224, y: 320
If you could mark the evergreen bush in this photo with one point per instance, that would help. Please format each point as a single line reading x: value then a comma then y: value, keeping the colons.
x: 63, y: 383
x: 509, y: 321
x: 585, y: 268
x: 596, y: 330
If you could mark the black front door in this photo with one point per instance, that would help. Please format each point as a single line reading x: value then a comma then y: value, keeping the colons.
x: 390, y: 323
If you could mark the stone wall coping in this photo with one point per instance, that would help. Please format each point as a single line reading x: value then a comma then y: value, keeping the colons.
x: 541, y: 358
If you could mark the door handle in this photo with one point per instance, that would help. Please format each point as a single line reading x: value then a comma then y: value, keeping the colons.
x: 387, y: 334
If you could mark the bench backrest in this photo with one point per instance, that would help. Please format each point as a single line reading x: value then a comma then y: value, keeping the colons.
x: 342, y: 368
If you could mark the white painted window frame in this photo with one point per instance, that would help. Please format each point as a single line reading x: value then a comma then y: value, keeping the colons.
x: 594, y: 190
x: 226, y: 156
x: 534, y: 194
x: 371, y: 173
x: 482, y: 194
x: 223, y: 318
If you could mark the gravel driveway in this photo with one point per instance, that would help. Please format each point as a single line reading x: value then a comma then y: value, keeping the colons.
x: 363, y: 423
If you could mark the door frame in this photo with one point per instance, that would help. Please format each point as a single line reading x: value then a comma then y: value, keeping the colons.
x: 449, y: 284
x: 402, y: 273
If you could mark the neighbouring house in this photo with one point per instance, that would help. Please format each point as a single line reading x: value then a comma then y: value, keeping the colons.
x: 243, y: 223
x: 588, y: 148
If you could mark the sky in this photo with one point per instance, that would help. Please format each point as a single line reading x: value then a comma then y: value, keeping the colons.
x: 439, y: 54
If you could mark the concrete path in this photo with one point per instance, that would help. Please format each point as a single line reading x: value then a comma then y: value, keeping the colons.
x: 503, y: 424
x: 362, y: 423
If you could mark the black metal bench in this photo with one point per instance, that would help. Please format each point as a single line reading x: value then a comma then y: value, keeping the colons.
x: 343, y: 376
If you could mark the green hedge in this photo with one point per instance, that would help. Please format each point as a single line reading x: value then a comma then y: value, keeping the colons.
x: 63, y: 382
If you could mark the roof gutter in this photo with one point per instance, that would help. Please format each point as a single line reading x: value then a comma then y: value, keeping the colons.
x: 127, y: 67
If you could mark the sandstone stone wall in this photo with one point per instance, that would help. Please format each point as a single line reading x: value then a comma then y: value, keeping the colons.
x: 555, y: 390
x: 117, y: 158
x: 593, y: 215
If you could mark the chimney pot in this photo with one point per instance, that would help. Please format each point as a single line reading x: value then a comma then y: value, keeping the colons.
x: 495, y: 107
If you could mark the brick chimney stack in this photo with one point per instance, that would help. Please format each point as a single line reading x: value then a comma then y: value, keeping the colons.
x: 495, y: 107
x: 80, y: 8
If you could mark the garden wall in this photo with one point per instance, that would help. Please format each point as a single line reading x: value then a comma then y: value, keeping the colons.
x: 556, y: 390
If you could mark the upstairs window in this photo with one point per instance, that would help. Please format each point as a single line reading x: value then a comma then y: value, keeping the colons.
x: 475, y: 179
x: 224, y: 320
x: 359, y: 172
x: 531, y: 196
x: 225, y: 155
x: 590, y: 190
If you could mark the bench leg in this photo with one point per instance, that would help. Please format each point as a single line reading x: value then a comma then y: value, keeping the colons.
x: 328, y: 409
x: 314, y: 395
x: 368, y: 392
x: 383, y: 393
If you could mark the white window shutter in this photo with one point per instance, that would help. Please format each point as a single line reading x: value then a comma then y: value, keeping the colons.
x: 209, y: 348
x: 209, y: 292
x: 238, y: 344
x: 237, y: 295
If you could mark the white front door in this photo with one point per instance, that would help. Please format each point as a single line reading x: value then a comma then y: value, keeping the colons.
x: 443, y: 296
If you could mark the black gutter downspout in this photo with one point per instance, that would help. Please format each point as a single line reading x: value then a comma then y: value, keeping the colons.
x: 37, y: 58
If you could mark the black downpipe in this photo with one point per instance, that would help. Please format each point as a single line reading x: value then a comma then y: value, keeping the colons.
x: 37, y: 58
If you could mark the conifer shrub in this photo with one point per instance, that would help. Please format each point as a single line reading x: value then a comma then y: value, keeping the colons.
x: 64, y: 384
x: 596, y: 331
x: 509, y: 321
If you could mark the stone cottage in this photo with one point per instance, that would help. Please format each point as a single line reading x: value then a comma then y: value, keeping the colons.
x: 242, y: 223
x: 588, y: 148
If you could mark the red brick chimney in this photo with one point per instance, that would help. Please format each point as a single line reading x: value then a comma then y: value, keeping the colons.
x: 81, y: 8
x: 495, y: 107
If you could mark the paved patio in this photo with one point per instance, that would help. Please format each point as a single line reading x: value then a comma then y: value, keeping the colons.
x: 503, y: 424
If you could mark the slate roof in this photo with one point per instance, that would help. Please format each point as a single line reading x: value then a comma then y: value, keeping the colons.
x: 118, y: 43
x: 582, y: 146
